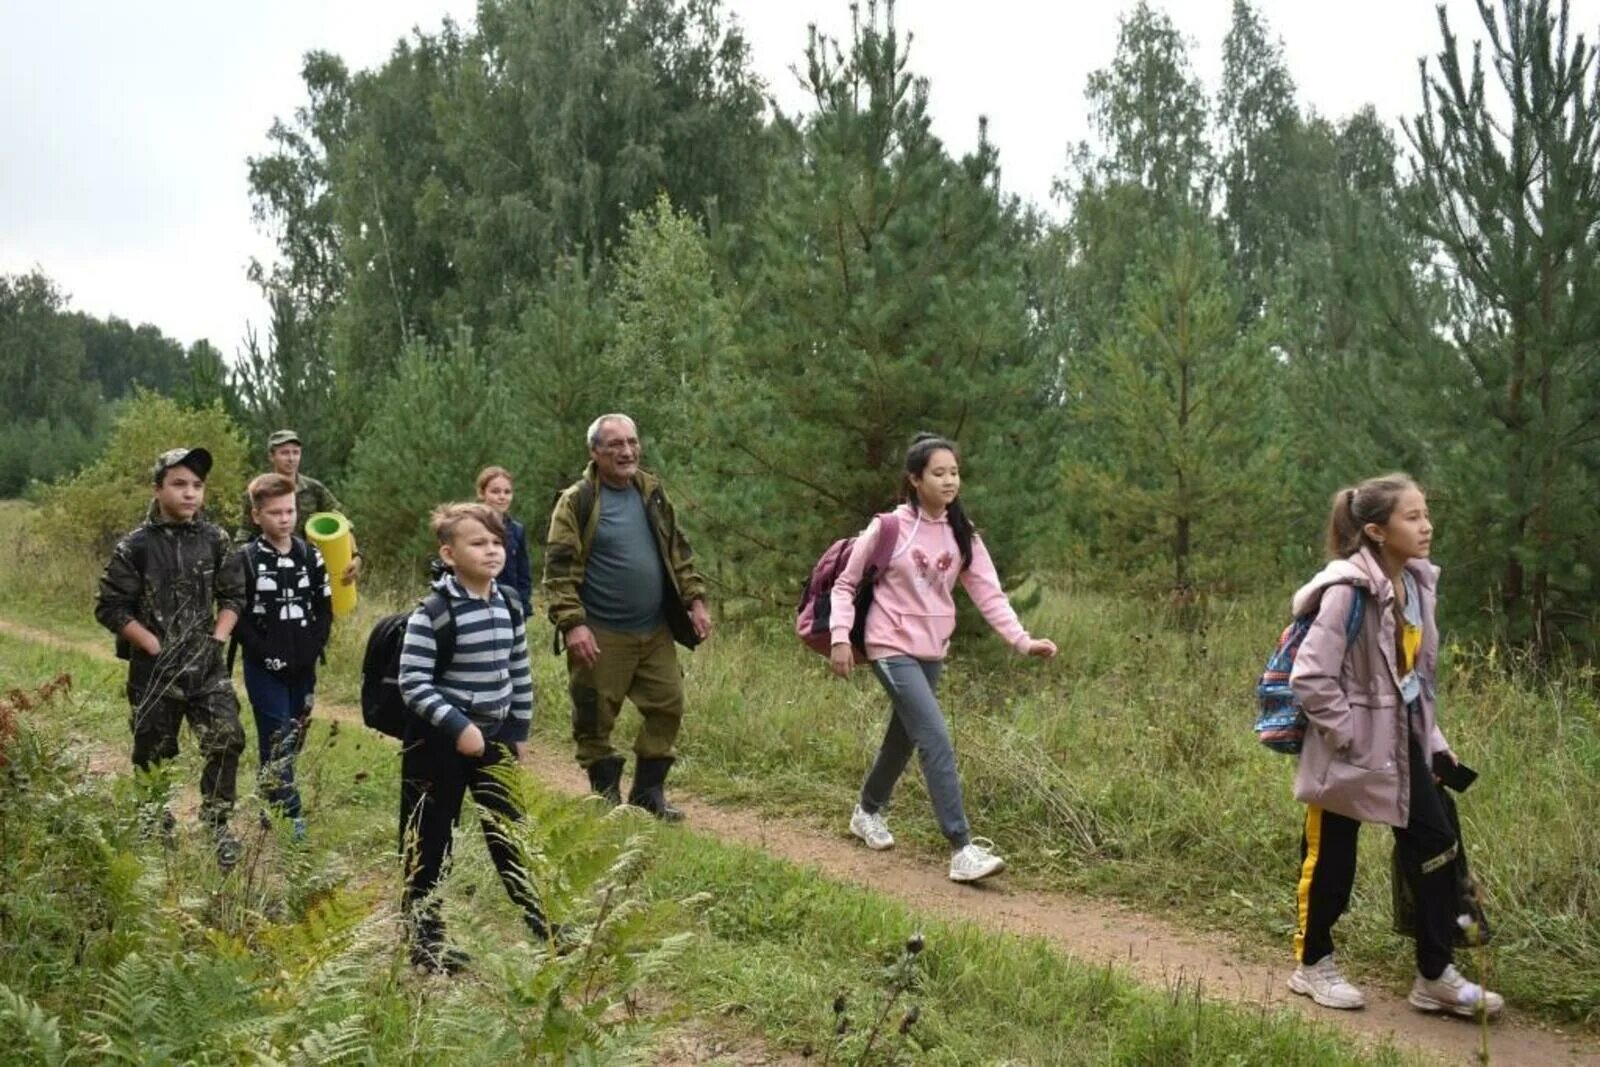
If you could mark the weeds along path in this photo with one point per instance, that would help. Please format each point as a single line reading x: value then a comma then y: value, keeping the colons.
x: 1152, y: 950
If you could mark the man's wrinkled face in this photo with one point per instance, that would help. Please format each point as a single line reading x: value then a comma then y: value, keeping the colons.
x: 616, y: 453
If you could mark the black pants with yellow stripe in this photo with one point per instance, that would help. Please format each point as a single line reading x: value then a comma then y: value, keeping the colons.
x: 1425, y: 846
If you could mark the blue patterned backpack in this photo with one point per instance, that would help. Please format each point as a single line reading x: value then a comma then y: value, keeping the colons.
x: 1280, y: 721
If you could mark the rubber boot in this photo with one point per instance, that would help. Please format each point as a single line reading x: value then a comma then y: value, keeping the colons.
x: 605, y: 779
x: 649, y: 792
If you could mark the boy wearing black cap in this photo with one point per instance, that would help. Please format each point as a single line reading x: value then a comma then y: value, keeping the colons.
x: 157, y: 595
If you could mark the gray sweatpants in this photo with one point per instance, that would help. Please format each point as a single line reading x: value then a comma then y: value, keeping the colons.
x: 917, y: 722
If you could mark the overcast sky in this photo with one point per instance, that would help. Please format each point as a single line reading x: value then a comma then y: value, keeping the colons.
x: 125, y: 127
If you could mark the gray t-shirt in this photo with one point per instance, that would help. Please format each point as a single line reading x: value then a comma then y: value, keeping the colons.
x: 622, y: 580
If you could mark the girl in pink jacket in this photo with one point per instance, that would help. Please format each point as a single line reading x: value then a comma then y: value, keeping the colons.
x: 908, y: 632
x: 1372, y: 741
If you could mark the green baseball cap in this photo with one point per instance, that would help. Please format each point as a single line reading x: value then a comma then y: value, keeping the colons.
x: 283, y: 437
x: 196, y: 459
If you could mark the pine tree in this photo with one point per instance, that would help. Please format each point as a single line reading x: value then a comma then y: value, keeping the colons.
x: 290, y: 382
x: 883, y: 296
x: 1509, y: 193
x: 1182, y: 466
x: 673, y: 361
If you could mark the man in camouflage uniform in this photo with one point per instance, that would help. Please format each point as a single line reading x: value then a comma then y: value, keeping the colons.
x: 310, y: 496
x: 622, y: 587
x: 157, y: 596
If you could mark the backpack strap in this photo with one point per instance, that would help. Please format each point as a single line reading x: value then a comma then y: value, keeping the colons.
x: 1358, y: 606
x: 437, y: 605
x: 300, y: 552
x: 585, y: 504
x: 513, y: 602
x: 883, y: 551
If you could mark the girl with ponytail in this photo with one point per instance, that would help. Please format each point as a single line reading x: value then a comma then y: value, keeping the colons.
x: 908, y: 629
x: 1373, y: 742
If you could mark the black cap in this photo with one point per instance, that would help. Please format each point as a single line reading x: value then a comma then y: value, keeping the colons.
x: 196, y: 459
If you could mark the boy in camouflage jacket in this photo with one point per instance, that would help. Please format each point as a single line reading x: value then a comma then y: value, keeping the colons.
x: 157, y: 596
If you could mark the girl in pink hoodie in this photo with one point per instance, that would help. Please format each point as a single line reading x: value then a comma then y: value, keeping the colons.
x: 1373, y: 741
x: 908, y: 630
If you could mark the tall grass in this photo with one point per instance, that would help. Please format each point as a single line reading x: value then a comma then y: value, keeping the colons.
x: 1125, y: 767
x: 118, y: 948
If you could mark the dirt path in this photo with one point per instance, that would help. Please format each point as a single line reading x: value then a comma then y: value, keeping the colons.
x: 98, y: 650
x: 1149, y: 949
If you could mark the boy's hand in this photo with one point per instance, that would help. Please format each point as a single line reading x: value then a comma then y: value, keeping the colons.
x: 140, y: 636
x: 1042, y: 648
x: 519, y: 749
x: 470, y: 743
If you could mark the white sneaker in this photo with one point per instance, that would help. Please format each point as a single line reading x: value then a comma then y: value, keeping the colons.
x: 977, y: 860
x: 871, y: 829
x: 1323, y: 983
x: 1452, y: 993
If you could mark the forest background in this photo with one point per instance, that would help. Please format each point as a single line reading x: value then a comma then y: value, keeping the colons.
x: 569, y: 208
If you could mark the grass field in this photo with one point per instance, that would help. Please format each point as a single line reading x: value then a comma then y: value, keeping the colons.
x: 118, y: 947
x: 1125, y: 769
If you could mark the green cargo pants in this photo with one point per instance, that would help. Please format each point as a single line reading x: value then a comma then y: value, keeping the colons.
x: 642, y: 668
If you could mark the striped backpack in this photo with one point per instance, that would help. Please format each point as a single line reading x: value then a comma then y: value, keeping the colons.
x: 1280, y: 721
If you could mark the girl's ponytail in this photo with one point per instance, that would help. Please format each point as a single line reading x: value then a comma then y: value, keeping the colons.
x: 1344, y: 531
x: 1373, y: 501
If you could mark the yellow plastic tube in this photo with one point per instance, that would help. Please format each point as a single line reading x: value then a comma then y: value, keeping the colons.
x: 330, y: 532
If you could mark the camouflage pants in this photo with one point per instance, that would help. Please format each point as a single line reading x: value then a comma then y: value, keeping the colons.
x: 192, y: 685
x: 642, y: 668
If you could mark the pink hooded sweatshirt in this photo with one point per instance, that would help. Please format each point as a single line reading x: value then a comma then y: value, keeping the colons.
x: 913, y: 609
x: 1354, y: 761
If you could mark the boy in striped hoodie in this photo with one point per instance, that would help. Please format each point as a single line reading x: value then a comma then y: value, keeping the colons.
x: 470, y: 716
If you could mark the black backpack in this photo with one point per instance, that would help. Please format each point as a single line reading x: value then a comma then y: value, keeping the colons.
x: 382, y: 706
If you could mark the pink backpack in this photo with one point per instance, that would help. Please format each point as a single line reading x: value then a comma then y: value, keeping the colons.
x: 816, y: 599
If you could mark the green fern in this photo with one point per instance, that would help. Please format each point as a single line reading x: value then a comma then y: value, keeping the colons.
x: 340, y: 1041
x: 40, y: 1033
x: 587, y: 865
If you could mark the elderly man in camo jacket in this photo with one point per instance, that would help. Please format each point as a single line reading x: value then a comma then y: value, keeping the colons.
x: 622, y: 586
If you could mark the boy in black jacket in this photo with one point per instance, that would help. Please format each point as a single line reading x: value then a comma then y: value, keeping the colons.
x: 284, y: 628
x: 158, y: 594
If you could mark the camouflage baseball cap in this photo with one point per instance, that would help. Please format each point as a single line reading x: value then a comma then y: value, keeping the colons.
x: 196, y: 459
x: 283, y: 437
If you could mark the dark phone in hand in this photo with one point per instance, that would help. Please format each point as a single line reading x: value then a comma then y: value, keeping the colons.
x: 1457, y: 776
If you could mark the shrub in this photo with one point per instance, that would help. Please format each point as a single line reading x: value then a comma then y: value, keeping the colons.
x: 93, y: 508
